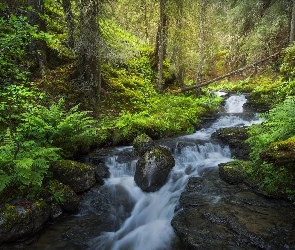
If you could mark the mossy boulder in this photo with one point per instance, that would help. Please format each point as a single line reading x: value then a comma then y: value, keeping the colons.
x: 22, y: 218
x: 142, y: 143
x: 232, y: 172
x: 79, y: 176
x: 153, y: 168
x: 280, y: 153
x: 64, y: 196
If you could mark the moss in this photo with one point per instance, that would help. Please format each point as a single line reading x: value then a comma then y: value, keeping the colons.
x: 70, y: 167
x: 233, y: 172
x: 9, y: 216
x: 288, y: 144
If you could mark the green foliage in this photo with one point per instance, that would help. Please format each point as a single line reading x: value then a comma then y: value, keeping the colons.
x: 71, y: 131
x: 164, y: 115
x: 15, y: 34
x: 276, y: 132
x: 273, y: 180
x: 24, y: 164
x: 288, y: 65
x: 277, y: 125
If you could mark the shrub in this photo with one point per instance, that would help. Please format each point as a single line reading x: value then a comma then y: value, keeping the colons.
x: 277, y: 125
x: 70, y: 131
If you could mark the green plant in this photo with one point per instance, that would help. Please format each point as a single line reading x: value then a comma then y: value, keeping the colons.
x: 71, y: 131
x: 277, y: 125
x: 25, y: 163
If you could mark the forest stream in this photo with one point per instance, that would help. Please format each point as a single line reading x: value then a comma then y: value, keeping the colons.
x: 195, y: 205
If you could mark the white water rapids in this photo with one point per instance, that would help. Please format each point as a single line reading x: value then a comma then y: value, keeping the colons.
x: 148, y: 227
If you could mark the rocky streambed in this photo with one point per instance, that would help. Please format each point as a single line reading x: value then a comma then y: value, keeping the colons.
x: 199, y: 205
x: 214, y: 214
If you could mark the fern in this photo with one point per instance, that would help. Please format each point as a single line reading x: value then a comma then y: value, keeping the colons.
x: 28, y: 167
x: 54, y: 127
x: 277, y: 125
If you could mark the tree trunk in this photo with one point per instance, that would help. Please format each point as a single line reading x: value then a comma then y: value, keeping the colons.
x: 67, y: 8
x: 201, y: 47
x: 38, y: 47
x: 178, y: 49
x: 160, y: 50
x: 252, y: 65
x: 292, y: 31
x: 89, y: 51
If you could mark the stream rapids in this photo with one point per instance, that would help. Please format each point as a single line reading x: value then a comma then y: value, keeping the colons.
x: 119, y: 216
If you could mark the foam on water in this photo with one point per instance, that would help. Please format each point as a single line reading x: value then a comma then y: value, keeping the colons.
x: 148, y: 227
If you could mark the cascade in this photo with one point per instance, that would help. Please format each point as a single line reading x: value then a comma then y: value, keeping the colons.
x: 148, y: 225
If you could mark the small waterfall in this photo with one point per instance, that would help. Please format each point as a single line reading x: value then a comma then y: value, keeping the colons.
x: 148, y: 226
x: 235, y: 103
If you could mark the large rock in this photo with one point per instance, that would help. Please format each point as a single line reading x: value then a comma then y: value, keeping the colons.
x: 101, y: 172
x: 153, y: 168
x: 213, y: 214
x: 281, y: 153
x: 22, y: 219
x: 142, y: 143
x: 64, y: 196
x: 80, y: 177
x: 232, y: 172
x: 235, y: 139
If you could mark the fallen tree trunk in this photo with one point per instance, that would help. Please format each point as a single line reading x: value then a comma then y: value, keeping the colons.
x: 227, y: 75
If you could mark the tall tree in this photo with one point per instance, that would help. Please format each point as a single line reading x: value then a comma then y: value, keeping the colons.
x: 201, y: 46
x: 178, y: 43
x: 39, y: 47
x: 89, y: 51
x: 292, y: 31
x: 160, y: 49
x: 67, y: 8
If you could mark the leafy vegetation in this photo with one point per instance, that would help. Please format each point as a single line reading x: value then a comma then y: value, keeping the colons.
x: 37, y: 126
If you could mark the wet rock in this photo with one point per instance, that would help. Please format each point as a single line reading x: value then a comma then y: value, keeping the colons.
x: 64, y: 196
x: 232, y: 172
x: 80, y: 177
x: 234, y: 138
x: 101, y: 172
x: 216, y: 215
x: 22, y: 218
x: 183, y: 144
x: 153, y: 168
x: 142, y: 143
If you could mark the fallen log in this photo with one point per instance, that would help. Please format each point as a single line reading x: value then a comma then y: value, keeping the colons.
x: 226, y: 75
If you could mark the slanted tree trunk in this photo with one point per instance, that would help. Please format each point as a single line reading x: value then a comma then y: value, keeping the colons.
x: 67, y: 8
x: 38, y: 47
x: 89, y: 51
x: 292, y: 31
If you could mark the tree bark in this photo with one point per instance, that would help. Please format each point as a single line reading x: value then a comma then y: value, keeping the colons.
x: 38, y: 47
x: 160, y: 47
x: 177, y: 56
x: 67, y: 8
x: 292, y: 31
x: 89, y: 51
x: 201, y: 47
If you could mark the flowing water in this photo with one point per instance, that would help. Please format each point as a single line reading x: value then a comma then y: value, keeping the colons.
x: 148, y: 226
x: 119, y: 216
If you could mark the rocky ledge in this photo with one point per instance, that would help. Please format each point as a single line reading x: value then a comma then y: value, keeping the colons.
x: 214, y: 214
